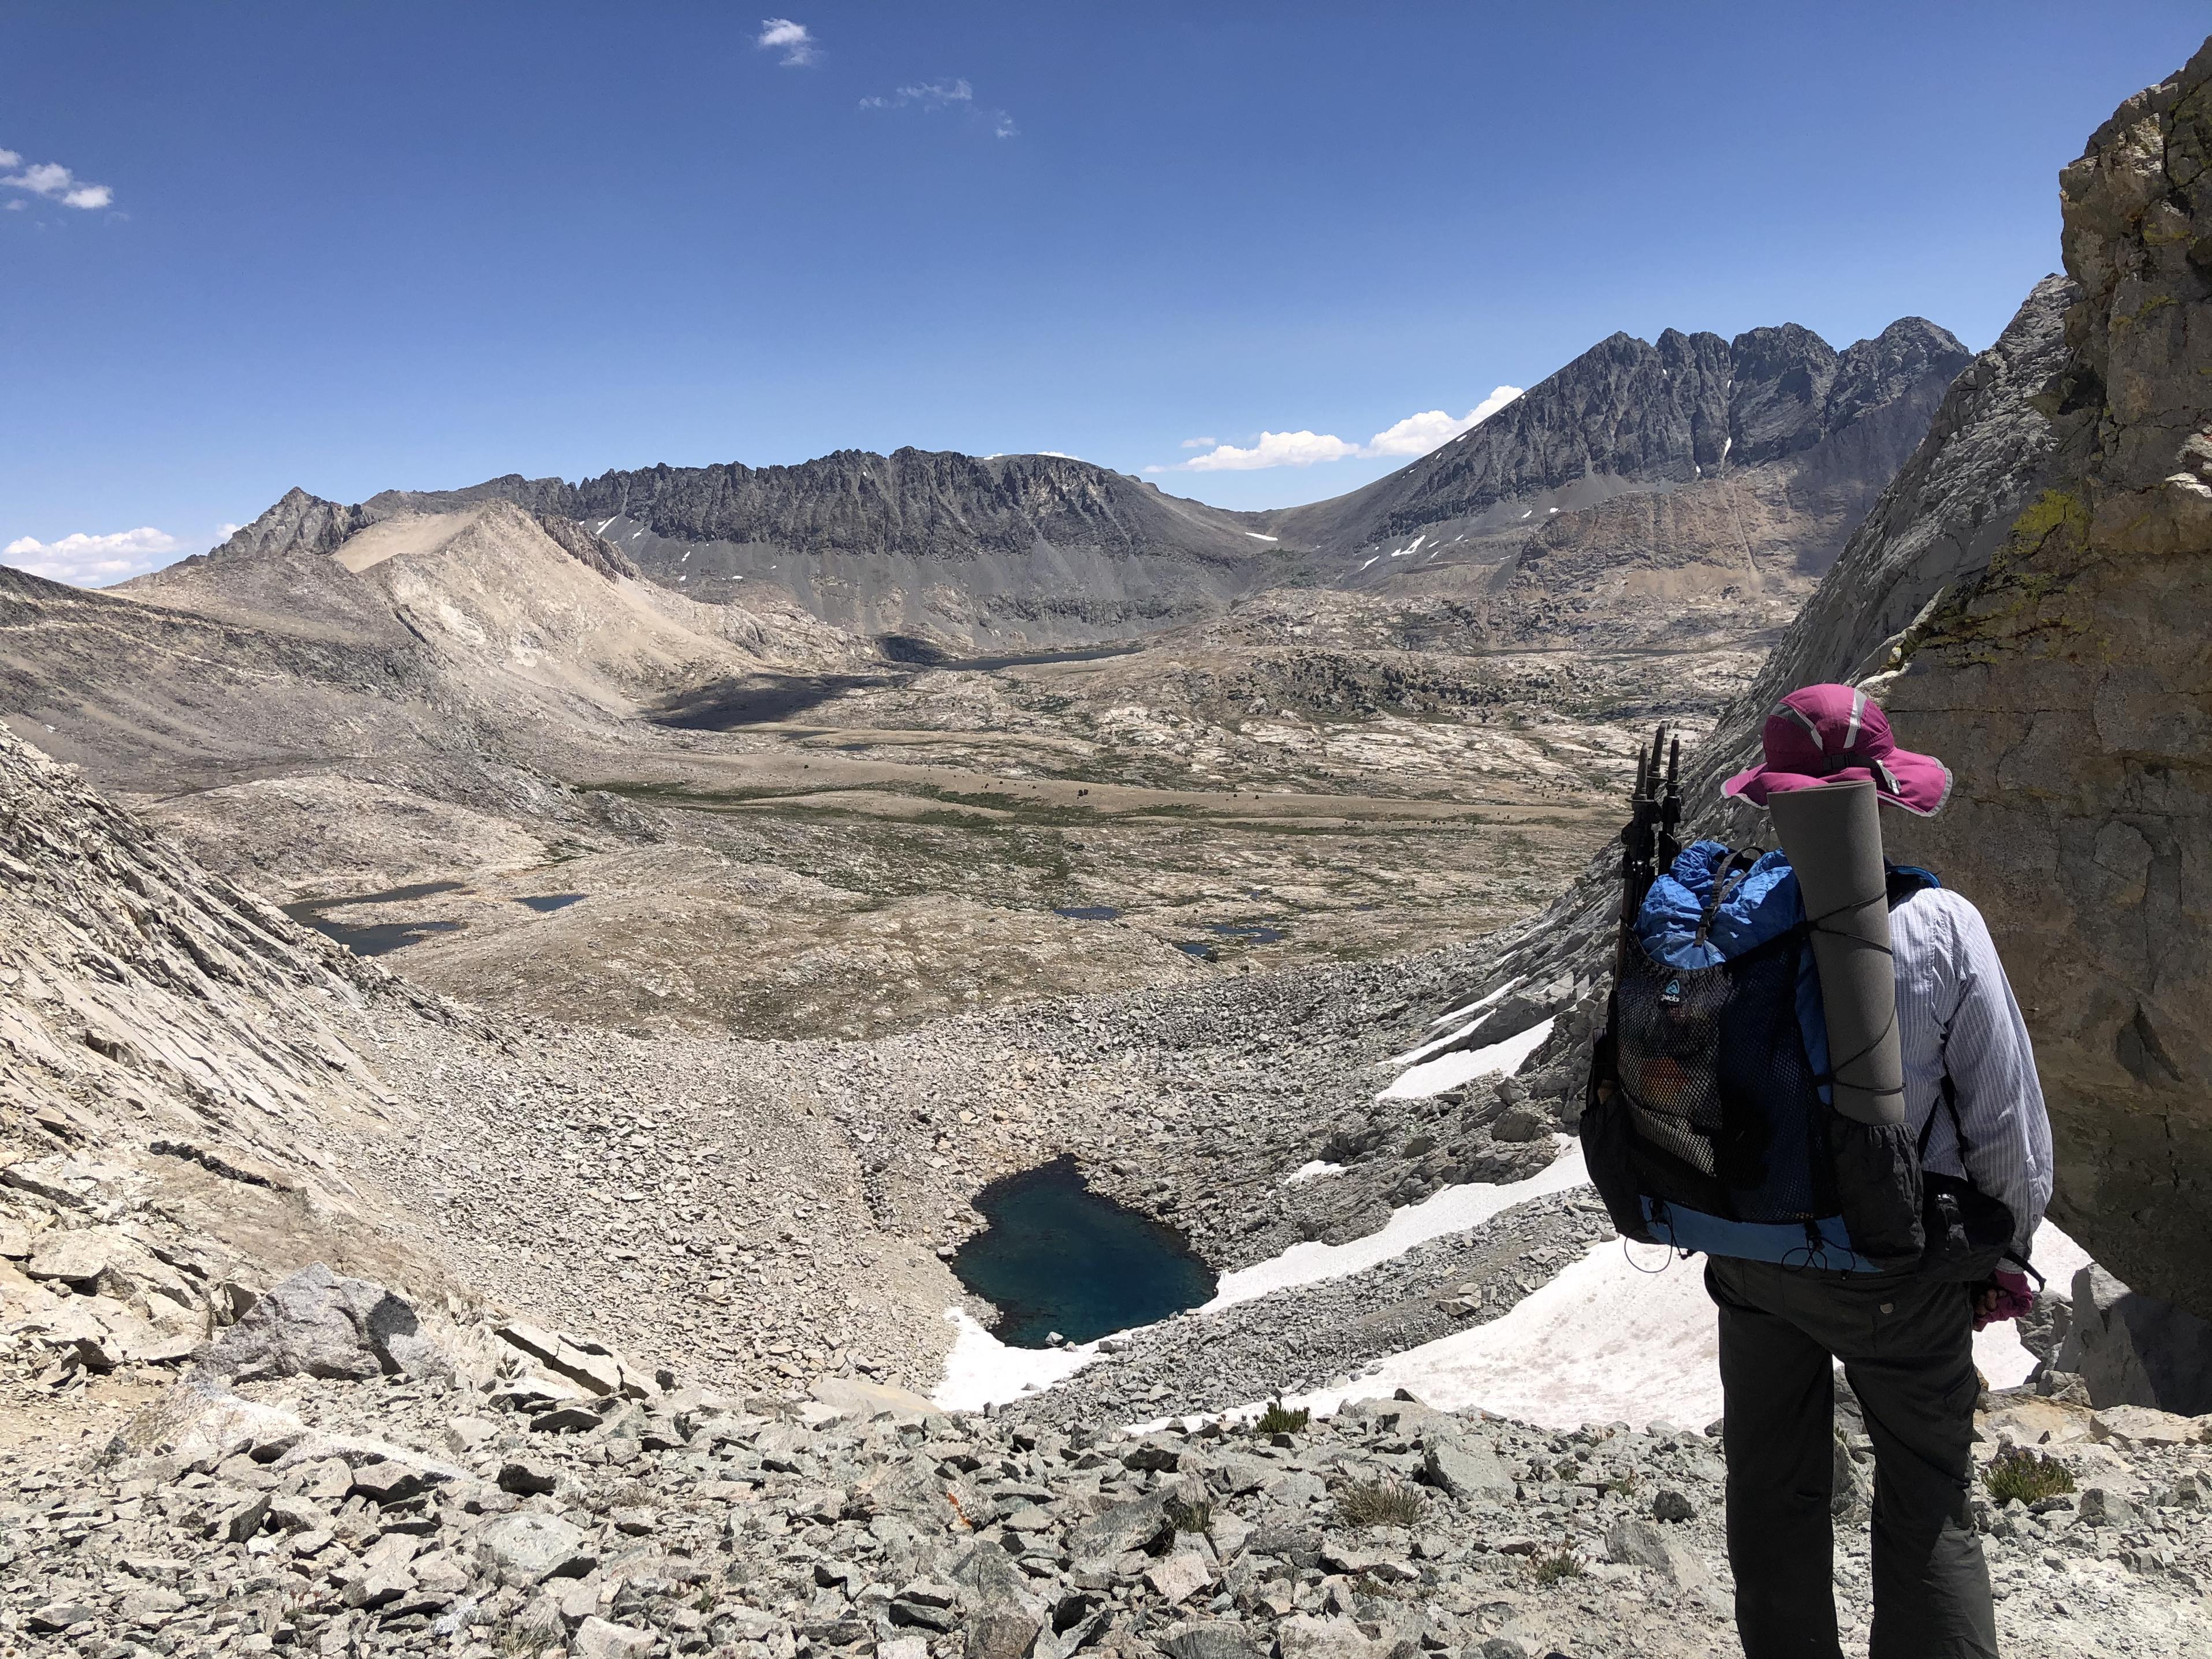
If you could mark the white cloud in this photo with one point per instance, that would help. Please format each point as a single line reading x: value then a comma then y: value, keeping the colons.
x: 1417, y: 434
x: 92, y: 561
x: 54, y: 182
x: 781, y: 34
x: 929, y: 94
x: 953, y: 94
x: 1272, y: 449
x: 1199, y: 443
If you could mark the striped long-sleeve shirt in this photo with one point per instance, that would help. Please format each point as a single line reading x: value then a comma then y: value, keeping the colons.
x: 1956, y: 1016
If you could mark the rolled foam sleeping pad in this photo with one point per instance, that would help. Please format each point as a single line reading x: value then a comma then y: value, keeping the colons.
x: 1833, y: 839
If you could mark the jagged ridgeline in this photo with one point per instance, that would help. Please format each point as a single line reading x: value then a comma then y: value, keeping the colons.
x: 1728, y: 463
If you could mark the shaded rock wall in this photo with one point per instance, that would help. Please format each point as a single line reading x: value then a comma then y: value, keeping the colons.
x: 2070, y: 687
x: 1631, y: 414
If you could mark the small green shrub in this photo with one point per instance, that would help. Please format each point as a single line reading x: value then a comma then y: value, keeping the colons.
x: 1276, y: 1419
x: 2030, y: 1476
x: 1380, y: 1504
x: 1191, y: 1518
x: 1559, y: 1564
x: 1368, y: 1584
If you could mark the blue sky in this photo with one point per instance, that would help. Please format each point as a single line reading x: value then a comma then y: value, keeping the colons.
x: 360, y: 247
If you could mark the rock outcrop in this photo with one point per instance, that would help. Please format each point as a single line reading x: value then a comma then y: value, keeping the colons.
x: 2070, y: 687
x: 2131, y: 1350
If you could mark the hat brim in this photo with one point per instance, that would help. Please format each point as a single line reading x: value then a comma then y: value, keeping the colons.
x: 1924, y: 783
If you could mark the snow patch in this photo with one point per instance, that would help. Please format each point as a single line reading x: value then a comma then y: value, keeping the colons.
x: 1480, y: 1002
x: 1415, y: 547
x: 1257, y: 537
x: 1608, y: 1340
x: 1449, y: 1071
x: 1453, y: 1210
x: 982, y: 1370
x: 1309, y: 1171
x: 1624, y: 1334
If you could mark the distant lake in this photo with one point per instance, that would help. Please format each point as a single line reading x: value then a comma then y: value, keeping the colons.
x: 375, y: 939
x: 1059, y: 1257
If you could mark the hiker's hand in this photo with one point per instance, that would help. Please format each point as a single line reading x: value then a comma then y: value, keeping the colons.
x: 2007, y: 1296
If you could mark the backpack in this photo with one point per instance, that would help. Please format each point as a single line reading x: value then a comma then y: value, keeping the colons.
x: 1719, y: 1134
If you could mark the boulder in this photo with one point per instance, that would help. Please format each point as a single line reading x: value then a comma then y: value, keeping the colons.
x: 1639, y: 1543
x: 1137, y: 1524
x: 317, y: 1324
x: 1464, y: 1469
x: 857, y: 1397
x: 591, y: 1365
x: 1672, y: 1505
x: 599, y: 1638
x: 2133, y: 1350
x: 1178, y: 1578
x: 525, y: 1549
x: 1208, y: 1638
x: 2130, y: 1426
x: 1302, y: 1636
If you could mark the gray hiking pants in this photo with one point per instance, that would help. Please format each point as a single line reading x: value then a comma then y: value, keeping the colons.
x: 1907, y: 1348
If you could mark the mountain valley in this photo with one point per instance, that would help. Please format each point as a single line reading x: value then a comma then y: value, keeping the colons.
x: 511, y: 998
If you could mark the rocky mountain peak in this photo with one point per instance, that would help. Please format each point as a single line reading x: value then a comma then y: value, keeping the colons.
x: 1631, y: 414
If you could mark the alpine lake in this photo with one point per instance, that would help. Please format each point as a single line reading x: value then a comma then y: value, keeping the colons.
x: 1059, y: 1258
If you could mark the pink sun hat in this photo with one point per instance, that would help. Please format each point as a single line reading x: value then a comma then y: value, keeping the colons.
x: 1834, y: 734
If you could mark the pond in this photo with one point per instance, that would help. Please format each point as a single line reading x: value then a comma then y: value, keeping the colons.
x: 1086, y: 912
x: 1059, y: 1257
x: 546, y: 902
x: 374, y: 939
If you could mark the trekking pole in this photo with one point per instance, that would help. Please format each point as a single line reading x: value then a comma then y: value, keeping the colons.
x: 1670, y: 808
x: 1636, y: 851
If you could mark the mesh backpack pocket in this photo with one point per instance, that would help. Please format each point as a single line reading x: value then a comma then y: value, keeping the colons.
x: 1725, y: 1112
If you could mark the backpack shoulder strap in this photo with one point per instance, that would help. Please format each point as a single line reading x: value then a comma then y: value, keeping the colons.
x: 1907, y: 879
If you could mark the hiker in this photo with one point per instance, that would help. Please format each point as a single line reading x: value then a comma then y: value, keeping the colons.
x: 1715, y: 1124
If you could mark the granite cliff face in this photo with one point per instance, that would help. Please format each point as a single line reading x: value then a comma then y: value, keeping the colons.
x: 2070, y: 686
x: 161, y: 1014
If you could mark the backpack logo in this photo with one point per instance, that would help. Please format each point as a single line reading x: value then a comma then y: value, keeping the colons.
x: 1672, y: 995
